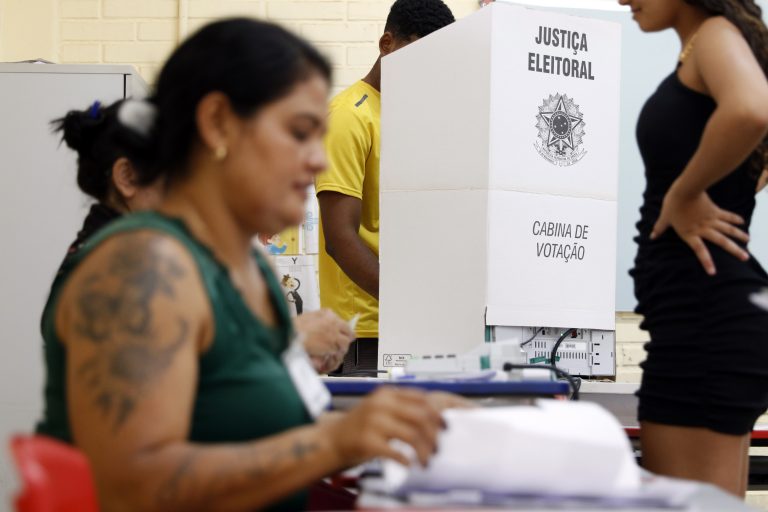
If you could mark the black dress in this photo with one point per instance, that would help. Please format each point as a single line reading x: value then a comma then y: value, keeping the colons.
x: 98, y: 216
x: 707, y: 362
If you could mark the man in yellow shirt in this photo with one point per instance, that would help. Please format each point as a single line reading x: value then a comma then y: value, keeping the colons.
x: 348, y: 192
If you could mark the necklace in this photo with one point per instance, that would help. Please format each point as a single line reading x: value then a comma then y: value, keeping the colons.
x: 688, y: 48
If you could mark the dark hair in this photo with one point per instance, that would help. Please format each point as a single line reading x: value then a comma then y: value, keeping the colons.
x: 408, y: 18
x: 99, y: 139
x: 748, y: 18
x: 252, y: 62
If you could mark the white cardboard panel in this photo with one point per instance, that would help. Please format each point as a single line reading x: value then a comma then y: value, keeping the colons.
x: 433, y: 275
x: 458, y: 201
x: 517, y: 163
x: 434, y: 124
x: 532, y: 279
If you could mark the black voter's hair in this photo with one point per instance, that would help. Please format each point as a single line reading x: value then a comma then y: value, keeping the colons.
x: 251, y: 62
x: 748, y: 18
x: 417, y: 18
x: 99, y: 139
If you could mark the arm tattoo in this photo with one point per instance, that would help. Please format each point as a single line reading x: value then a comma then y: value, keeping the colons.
x: 143, y: 274
x: 171, y: 491
x: 195, y: 482
x: 130, y: 352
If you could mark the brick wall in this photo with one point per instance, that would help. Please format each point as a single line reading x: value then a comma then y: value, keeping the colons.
x: 143, y: 32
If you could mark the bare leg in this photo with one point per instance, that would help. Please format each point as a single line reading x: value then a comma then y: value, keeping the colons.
x: 745, y: 467
x: 695, y: 454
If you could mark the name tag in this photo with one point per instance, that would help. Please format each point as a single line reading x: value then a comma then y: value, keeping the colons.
x: 312, y: 391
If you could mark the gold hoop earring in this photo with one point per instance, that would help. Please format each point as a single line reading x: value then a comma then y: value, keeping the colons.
x: 220, y: 153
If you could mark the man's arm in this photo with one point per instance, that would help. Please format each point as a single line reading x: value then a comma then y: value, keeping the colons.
x: 340, y: 215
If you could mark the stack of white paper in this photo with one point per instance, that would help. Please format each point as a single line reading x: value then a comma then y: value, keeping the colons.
x: 552, y: 447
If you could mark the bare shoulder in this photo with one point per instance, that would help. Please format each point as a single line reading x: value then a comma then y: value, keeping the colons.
x: 128, y: 283
x: 726, y: 63
x: 718, y: 30
x: 718, y: 23
x: 132, y: 317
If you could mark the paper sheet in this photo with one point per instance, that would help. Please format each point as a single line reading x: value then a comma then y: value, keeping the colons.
x: 526, y: 449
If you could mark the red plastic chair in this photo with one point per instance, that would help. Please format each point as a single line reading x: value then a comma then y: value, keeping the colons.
x: 55, y: 477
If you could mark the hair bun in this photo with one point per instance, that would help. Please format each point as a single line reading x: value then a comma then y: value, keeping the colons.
x: 80, y: 127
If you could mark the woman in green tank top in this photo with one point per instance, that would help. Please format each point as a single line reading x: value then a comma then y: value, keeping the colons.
x: 173, y: 332
x: 106, y: 174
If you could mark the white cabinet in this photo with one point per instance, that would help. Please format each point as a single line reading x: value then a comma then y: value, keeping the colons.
x: 42, y: 210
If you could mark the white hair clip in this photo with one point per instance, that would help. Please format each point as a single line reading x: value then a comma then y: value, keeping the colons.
x: 138, y: 115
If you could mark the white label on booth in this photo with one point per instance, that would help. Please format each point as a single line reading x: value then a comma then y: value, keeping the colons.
x: 551, y: 261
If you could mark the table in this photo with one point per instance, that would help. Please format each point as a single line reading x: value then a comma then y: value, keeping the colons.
x: 708, y: 498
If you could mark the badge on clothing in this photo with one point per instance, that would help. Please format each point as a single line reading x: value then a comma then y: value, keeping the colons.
x: 307, y: 382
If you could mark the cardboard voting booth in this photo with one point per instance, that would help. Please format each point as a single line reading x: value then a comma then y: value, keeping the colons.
x: 500, y: 140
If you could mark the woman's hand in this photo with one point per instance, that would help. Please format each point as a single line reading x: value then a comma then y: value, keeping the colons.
x: 696, y: 218
x: 326, y: 338
x: 389, y: 413
x: 442, y: 401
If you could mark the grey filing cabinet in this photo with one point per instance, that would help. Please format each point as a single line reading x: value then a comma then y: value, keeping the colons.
x: 42, y: 210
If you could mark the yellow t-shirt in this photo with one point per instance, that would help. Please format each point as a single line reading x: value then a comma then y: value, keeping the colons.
x: 353, y: 146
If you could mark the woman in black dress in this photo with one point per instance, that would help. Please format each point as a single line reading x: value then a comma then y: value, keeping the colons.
x: 702, y: 139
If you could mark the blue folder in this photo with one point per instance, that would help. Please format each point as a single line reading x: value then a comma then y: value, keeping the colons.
x: 341, y: 386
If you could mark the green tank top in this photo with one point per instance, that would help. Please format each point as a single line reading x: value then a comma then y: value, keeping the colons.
x: 244, y: 391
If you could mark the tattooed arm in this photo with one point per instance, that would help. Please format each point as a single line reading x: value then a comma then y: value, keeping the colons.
x: 134, y: 318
